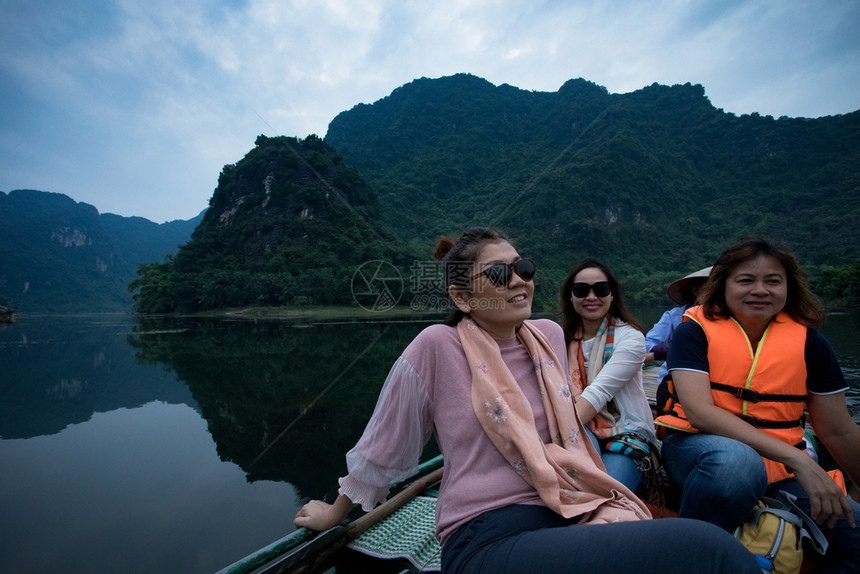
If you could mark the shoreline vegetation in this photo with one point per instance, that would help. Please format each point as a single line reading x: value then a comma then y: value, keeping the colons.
x: 353, y: 312
x: 321, y: 312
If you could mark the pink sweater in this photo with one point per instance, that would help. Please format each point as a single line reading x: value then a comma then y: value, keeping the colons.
x: 429, y: 390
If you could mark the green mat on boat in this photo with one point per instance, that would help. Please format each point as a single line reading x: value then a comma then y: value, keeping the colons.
x: 409, y: 532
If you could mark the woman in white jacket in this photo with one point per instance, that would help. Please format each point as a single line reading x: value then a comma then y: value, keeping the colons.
x: 606, y: 349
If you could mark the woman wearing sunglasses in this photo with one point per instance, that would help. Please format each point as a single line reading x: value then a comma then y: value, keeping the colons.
x: 605, y: 350
x: 523, y: 489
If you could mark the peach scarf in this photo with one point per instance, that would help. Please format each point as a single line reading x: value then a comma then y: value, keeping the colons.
x: 567, y: 473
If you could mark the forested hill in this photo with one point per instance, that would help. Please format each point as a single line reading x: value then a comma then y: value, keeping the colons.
x: 61, y: 256
x: 655, y: 182
x: 289, y: 224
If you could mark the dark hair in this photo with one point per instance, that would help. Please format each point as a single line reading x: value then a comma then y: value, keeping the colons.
x: 801, y: 304
x: 572, y: 321
x: 457, y: 259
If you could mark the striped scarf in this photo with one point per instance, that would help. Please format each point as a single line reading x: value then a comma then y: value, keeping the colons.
x: 604, y: 424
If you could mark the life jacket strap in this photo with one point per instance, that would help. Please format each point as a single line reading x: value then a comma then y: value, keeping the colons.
x: 768, y: 424
x: 755, y: 396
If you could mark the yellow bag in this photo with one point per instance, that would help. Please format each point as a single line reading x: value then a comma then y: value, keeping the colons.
x: 774, y: 533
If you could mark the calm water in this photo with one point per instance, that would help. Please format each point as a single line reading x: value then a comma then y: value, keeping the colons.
x: 182, y: 445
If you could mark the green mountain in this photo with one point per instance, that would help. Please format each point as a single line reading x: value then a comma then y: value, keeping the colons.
x: 656, y: 182
x: 287, y: 225
x: 60, y: 256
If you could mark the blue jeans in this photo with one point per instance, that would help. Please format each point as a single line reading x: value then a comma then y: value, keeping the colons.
x: 620, y: 467
x: 722, y: 479
x: 517, y: 539
x: 623, y: 469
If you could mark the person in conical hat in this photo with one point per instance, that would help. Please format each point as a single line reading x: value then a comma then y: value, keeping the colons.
x: 682, y: 291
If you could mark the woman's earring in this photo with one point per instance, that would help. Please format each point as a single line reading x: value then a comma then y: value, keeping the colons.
x: 459, y: 301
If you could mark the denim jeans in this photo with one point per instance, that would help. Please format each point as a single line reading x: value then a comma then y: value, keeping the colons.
x: 620, y: 467
x: 722, y: 479
x: 623, y: 469
x: 520, y: 538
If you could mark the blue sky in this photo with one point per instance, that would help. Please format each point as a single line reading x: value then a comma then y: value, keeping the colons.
x: 135, y: 106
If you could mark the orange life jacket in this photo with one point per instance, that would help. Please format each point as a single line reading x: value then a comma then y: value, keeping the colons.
x: 765, y: 387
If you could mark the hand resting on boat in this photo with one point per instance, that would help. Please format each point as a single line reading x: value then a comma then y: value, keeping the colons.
x: 317, y: 515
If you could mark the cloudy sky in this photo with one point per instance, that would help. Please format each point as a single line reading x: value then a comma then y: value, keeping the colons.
x: 134, y: 106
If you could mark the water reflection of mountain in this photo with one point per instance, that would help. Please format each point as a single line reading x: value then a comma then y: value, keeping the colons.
x: 58, y: 371
x: 283, y: 401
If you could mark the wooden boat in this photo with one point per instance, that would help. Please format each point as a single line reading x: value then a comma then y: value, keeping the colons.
x: 357, y: 542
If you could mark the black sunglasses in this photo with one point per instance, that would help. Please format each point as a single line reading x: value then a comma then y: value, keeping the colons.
x: 601, y: 289
x: 500, y: 274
